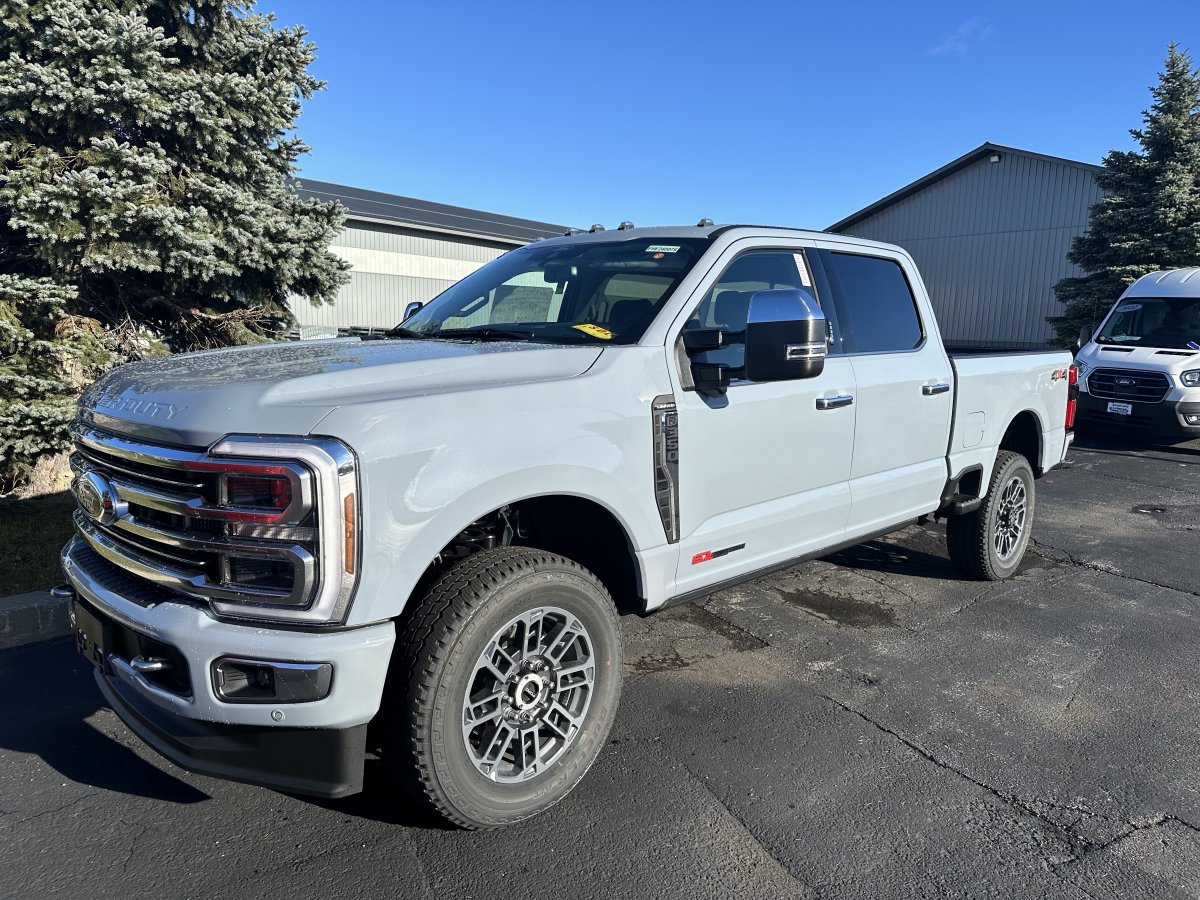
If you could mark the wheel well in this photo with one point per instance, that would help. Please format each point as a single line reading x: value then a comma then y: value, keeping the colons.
x: 573, y: 527
x: 1024, y: 436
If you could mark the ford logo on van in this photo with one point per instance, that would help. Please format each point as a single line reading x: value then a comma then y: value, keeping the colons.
x: 1126, y: 382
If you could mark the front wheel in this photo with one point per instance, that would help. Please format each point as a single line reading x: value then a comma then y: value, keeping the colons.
x: 989, y: 543
x: 511, y: 669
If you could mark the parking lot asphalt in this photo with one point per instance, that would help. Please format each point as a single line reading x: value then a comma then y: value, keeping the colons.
x: 863, y: 725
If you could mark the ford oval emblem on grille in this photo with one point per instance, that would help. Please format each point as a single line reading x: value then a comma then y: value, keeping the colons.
x: 98, y: 498
x: 1126, y: 382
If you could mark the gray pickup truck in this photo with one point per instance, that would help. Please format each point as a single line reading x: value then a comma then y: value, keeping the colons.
x: 282, y: 550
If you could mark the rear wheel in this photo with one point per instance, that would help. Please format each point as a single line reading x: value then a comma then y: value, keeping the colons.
x: 511, y: 678
x: 989, y: 543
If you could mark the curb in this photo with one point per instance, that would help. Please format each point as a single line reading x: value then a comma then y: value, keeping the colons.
x: 31, y: 618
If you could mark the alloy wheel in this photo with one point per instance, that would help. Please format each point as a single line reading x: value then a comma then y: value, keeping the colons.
x: 528, y: 695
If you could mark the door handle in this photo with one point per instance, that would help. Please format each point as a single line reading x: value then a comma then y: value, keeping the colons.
x: 930, y: 389
x: 834, y: 402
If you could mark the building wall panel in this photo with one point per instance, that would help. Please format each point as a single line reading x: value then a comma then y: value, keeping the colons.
x: 991, y: 241
x: 390, y: 268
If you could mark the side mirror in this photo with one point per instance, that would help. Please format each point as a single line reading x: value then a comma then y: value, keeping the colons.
x: 411, y: 309
x: 712, y: 379
x: 697, y: 340
x: 785, y: 336
x: 1085, y: 335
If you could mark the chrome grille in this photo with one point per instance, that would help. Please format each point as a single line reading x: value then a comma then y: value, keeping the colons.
x: 1130, y: 385
x: 163, y: 516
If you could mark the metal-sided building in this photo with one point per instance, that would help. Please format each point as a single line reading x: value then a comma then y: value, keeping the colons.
x: 990, y: 233
x: 400, y: 250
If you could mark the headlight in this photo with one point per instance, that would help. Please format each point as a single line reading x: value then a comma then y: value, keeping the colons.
x: 258, y: 487
x: 1082, y: 367
x: 1191, y: 379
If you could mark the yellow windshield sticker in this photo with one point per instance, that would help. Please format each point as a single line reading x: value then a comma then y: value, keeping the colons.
x: 595, y: 331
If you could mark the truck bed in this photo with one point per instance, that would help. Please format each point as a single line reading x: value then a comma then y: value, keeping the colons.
x: 994, y: 388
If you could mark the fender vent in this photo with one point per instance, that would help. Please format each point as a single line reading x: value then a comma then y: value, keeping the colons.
x: 666, y: 463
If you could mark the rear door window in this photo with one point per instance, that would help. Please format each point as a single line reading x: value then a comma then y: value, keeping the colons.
x: 876, y: 310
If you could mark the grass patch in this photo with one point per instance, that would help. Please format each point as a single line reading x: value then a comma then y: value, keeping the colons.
x: 32, y: 532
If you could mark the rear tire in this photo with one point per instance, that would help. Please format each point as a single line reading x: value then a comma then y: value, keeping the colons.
x: 507, y: 679
x: 989, y: 543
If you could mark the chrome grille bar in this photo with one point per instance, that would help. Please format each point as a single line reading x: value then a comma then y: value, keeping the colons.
x: 161, y: 572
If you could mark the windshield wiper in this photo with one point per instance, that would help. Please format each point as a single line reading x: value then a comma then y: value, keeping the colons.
x: 488, y: 333
x: 401, y: 332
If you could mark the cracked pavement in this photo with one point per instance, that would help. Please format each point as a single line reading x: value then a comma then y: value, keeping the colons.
x: 862, y: 725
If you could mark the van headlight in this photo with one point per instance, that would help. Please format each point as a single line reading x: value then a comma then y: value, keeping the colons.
x: 1082, y: 367
x: 1191, y: 379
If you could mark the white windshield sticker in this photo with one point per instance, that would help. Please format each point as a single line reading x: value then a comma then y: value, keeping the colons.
x: 661, y: 248
x: 1129, y: 307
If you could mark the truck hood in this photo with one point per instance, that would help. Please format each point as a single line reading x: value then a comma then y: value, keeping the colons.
x: 195, y: 399
x: 1154, y: 359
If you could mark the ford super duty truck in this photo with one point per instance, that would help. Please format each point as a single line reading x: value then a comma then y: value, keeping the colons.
x: 427, y: 536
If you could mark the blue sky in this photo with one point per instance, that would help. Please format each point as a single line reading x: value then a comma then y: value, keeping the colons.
x: 767, y: 112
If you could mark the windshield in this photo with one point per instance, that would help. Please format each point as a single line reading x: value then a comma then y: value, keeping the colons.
x: 1170, y: 323
x: 576, y: 293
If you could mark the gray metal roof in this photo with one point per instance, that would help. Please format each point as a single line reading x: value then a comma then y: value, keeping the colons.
x: 390, y: 209
x: 985, y: 149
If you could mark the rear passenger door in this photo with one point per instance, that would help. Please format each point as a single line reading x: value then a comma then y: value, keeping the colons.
x: 904, y: 389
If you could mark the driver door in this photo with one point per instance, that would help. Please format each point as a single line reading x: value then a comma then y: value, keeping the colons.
x: 763, y: 470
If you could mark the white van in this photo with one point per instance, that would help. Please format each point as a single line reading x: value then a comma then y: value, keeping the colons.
x: 1142, y: 366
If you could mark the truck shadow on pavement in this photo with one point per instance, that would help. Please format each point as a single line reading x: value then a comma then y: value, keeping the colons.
x: 383, y: 801
x: 49, y: 697
x: 1115, y: 440
x: 883, y: 556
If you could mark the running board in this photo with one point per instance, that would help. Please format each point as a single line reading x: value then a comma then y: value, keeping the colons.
x: 727, y: 583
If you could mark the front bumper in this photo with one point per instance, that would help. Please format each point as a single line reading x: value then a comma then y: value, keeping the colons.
x: 323, y: 762
x: 1165, y: 418
x: 305, y: 747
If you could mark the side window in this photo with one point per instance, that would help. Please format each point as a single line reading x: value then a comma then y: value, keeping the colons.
x: 876, y: 311
x: 728, y: 302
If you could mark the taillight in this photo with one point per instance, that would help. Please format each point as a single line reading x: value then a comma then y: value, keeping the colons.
x: 1072, y: 396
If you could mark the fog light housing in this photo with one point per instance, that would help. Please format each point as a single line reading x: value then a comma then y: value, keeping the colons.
x: 1192, y: 420
x: 262, y: 572
x: 238, y: 680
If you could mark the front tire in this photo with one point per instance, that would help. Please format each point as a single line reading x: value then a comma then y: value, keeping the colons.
x: 989, y: 543
x: 509, y: 675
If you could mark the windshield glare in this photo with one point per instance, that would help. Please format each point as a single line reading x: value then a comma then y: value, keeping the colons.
x: 1170, y: 323
x: 576, y: 293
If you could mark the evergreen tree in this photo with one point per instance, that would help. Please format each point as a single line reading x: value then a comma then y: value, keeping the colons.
x: 1150, y: 218
x: 146, y: 197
